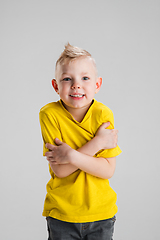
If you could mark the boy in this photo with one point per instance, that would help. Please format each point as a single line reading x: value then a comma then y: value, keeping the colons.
x: 81, y: 152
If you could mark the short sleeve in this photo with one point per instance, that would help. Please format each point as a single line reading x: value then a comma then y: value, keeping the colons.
x: 49, y: 130
x: 107, y: 116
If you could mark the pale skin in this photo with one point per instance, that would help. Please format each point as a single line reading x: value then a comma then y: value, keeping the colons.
x: 76, y: 84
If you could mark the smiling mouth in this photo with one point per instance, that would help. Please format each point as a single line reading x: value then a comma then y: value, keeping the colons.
x: 77, y: 95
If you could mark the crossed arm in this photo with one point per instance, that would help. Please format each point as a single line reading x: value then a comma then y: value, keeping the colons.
x: 64, y: 160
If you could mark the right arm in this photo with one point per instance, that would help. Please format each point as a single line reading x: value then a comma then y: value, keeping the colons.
x: 104, y: 139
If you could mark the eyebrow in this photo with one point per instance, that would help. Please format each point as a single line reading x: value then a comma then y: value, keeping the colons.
x: 65, y: 73
x: 83, y: 73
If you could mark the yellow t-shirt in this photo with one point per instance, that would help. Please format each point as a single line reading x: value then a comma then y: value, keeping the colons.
x: 79, y: 197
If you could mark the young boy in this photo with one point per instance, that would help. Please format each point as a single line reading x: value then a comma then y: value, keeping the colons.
x: 81, y: 152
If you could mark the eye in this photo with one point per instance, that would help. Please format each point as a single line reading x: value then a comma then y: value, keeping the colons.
x: 85, y: 78
x: 66, y: 79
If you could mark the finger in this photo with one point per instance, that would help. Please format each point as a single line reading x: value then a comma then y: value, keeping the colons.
x: 48, y: 154
x: 50, y: 146
x: 114, y: 131
x: 52, y: 161
x: 49, y: 159
x: 57, y: 141
x: 105, y: 125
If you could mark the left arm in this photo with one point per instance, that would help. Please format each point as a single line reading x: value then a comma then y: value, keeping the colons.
x: 64, y: 154
x: 98, y: 167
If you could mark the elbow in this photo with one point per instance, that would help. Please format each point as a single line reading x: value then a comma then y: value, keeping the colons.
x: 59, y: 174
x: 109, y: 175
x: 110, y: 169
x: 105, y: 174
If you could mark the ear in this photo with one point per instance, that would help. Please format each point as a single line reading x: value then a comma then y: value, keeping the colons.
x: 98, y: 84
x: 55, y: 85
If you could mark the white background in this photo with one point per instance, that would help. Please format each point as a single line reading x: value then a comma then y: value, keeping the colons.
x: 124, y: 38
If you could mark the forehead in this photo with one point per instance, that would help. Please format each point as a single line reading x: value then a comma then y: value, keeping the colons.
x: 78, y: 65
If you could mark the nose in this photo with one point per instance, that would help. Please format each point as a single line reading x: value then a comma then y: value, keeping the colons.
x: 76, y: 85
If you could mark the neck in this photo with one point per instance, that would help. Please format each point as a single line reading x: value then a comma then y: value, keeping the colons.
x: 77, y: 114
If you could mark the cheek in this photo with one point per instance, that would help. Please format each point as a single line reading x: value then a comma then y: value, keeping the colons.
x: 63, y: 89
x: 91, y: 91
x: 93, y: 88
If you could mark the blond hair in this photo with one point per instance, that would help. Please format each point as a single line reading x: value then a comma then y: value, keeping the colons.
x: 71, y: 53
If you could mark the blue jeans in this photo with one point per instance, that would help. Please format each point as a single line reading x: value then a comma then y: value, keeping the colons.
x: 99, y: 230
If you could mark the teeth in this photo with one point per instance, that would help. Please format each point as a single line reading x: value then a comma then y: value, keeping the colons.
x: 76, y: 95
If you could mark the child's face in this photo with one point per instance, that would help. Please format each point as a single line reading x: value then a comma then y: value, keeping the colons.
x: 77, y: 83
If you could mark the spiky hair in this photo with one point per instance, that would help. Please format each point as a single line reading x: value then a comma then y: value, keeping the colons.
x: 71, y: 53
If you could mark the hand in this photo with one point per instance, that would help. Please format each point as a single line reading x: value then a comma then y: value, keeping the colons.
x: 59, y: 154
x: 108, y: 137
